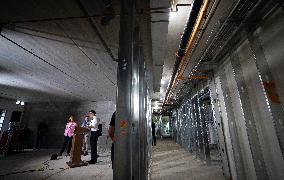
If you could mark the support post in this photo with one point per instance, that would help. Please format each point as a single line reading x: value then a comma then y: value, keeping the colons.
x: 220, y: 130
x: 123, y: 126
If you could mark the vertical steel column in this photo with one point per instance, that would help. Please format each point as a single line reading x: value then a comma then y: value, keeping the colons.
x: 183, y: 125
x: 191, y: 127
x: 149, y: 133
x: 269, y: 88
x: 188, y: 125
x: 136, y: 110
x: 254, y: 142
x: 239, y: 162
x: 195, y: 132
x: 123, y: 126
x: 142, y: 121
x: 178, y: 125
x: 203, y: 119
x: 199, y: 128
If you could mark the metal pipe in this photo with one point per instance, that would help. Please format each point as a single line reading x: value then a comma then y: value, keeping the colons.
x: 186, y: 43
x: 221, y: 28
x: 190, y: 44
x: 192, y: 77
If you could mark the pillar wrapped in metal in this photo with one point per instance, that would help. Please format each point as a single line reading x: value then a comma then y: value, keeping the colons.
x: 123, y: 125
x: 131, y: 151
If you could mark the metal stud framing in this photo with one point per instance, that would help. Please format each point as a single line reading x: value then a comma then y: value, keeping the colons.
x: 132, y: 128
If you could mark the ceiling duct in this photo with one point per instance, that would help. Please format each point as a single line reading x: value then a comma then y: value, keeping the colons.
x: 192, y: 18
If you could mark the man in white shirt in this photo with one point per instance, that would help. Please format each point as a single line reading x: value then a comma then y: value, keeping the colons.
x: 94, y: 136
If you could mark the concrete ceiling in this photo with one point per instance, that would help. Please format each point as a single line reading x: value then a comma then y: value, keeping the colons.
x: 166, y: 38
x: 67, y: 59
x: 58, y: 59
x: 175, y: 30
x: 159, y: 31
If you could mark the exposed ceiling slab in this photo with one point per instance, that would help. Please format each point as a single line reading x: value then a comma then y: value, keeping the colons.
x: 176, y: 27
x: 159, y: 32
x: 60, y: 58
x: 167, y: 30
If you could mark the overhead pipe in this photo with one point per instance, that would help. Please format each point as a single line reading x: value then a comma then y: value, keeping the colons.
x: 185, y: 59
x: 192, y: 26
x: 192, y: 77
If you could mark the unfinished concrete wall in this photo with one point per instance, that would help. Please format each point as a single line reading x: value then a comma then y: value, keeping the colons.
x: 250, y: 94
x: 10, y: 106
x: 56, y: 114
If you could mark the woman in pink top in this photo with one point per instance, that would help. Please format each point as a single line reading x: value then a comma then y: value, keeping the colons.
x: 68, y: 135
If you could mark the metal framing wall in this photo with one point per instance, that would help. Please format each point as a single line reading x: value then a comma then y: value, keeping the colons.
x: 247, y: 95
x: 251, y: 110
x: 194, y: 128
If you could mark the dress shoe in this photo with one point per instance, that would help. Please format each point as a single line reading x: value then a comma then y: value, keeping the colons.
x: 92, y: 162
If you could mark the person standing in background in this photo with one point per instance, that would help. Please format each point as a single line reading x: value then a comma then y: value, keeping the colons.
x: 68, y: 135
x: 41, y: 131
x: 153, y: 133
x: 111, y: 135
x: 85, y: 124
x: 94, y: 136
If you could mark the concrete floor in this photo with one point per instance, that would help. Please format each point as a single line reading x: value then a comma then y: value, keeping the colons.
x: 172, y: 162
x: 36, y: 165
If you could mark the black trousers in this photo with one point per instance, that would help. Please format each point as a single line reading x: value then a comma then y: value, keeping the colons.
x: 39, y: 140
x: 93, y: 142
x: 154, y: 139
x: 112, y: 154
x: 68, y: 143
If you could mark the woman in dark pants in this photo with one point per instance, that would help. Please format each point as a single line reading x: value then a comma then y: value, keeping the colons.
x: 68, y: 135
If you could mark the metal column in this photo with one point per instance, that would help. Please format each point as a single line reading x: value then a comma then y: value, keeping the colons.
x: 142, y: 120
x: 220, y: 132
x: 123, y: 126
x: 203, y: 121
x: 269, y: 87
x: 199, y: 128
x: 240, y: 171
x: 136, y: 109
x: 255, y: 147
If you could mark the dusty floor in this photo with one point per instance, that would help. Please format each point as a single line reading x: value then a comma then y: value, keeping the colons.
x: 171, y: 162
x: 34, y: 165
